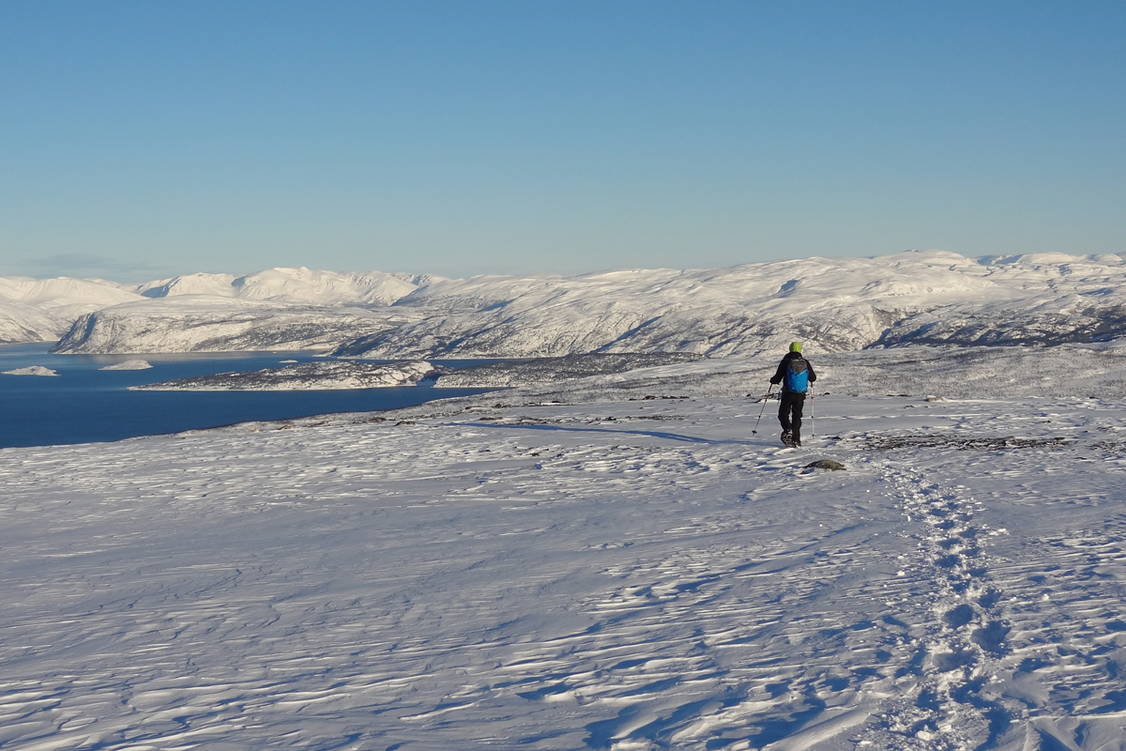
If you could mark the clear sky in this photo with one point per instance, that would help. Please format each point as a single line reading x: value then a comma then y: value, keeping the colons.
x: 142, y: 138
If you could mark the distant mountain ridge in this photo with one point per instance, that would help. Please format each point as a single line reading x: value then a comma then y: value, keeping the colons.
x: 836, y: 304
x: 45, y: 309
x: 296, y: 285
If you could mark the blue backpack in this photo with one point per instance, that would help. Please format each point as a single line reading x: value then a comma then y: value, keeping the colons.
x: 796, y: 378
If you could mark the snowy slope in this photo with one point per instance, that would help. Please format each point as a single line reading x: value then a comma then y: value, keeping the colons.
x: 612, y: 574
x: 42, y: 309
x: 293, y: 285
x: 20, y: 322
x: 838, y: 304
x: 199, y: 323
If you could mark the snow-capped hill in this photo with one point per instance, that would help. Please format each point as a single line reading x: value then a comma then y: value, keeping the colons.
x: 189, y: 284
x: 198, y: 323
x: 324, y: 287
x: 1044, y: 261
x: 42, y: 309
x: 63, y: 292
x: 20, y: 322
x: 835, y: 303
x: 292, y: 285
x: 838, y: 303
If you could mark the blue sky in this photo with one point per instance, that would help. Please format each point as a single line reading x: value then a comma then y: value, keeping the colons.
x: 483, y: 136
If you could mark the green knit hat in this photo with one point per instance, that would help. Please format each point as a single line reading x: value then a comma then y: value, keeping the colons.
x: 795, y: 346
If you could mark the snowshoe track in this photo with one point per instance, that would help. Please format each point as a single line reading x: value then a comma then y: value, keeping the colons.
x: 958, y: 644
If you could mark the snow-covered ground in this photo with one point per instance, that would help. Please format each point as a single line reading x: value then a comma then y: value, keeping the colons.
x: 627, y: 569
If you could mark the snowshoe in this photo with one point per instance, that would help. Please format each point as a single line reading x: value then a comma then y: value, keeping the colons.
x: 788, y: 440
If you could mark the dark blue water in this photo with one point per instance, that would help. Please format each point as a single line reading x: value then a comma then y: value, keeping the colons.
x: 84, y: 404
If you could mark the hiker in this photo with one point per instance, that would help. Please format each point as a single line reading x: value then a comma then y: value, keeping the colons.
x: 795, y: 373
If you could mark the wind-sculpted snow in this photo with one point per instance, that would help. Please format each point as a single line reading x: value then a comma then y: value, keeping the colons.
x: 627, y: 573
x: 310, y: 376
x: 211, y: 324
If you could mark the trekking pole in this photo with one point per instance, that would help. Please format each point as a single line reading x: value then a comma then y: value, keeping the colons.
x: 762, y: 411
x: 812, y: 414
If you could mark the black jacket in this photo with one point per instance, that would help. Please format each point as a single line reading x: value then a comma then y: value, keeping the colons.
x: 782, y: 366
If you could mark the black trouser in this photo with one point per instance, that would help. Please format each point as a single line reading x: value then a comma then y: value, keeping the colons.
x: 789, y: 413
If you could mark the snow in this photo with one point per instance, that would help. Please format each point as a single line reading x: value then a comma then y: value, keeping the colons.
x: 41, y: 309
x: 292, y: 285
x: 129, y: 365
x: 836, y: 304
x: 31, y: 370
x: 623, y: 569
x: 202, y: 323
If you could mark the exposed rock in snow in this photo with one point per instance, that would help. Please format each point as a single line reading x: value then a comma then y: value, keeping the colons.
x: 554, y: 369
x: 310, y: 376
x: 830, y: 464
x: 194, y: 323
x: 129, y: 365
x: 31, y: 370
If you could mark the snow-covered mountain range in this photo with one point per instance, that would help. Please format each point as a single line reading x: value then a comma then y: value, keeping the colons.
x: 836, y: 304
x: 163, y: 312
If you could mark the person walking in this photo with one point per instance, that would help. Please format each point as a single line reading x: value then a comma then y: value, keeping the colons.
x: 795, y: 373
